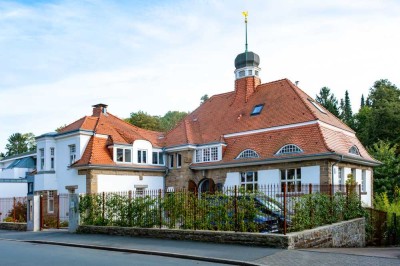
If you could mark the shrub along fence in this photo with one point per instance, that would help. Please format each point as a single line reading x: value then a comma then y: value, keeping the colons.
x: 271, y: 208
x: 13, y: 209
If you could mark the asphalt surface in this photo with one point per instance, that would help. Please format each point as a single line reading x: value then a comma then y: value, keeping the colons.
x: 210, y: 252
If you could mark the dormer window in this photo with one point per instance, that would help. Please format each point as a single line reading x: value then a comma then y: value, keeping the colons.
x: 247, y: 154
x: 354, y: 150
x: 289, y: 149
x: 209, y: 154
x: 72, y: 153
x: 142, y: 156
x: 257, y: 109
x: 124, y: 155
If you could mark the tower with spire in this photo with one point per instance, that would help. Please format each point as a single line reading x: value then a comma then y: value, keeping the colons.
x: 246, y: 70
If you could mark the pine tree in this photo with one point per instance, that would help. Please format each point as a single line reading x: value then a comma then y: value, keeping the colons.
x: 362, y: 101
x: 346, y: 114
x: 328, y: 100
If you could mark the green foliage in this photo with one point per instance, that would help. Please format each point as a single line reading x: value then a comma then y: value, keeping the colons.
x: 391, y: 206
x: 387, y: 175
x: 19, y: 143
x: 204, y: 98
x: 318, y: 209
x: 171, y: 119
x: 156, y: 123
x: 183, y: 209
x: 346, y: 113
x: 328, y: 100
x: 143, y: 120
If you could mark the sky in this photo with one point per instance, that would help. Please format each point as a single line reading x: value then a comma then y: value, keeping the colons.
x: 58, y: 58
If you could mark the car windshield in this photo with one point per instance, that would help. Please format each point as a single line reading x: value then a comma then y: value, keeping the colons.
x: 270, y: 205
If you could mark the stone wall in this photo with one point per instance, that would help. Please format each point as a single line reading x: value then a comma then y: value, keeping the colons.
x: 13, y: 226
x: 344, y: 234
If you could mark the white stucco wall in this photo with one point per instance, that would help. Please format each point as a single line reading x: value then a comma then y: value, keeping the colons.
x: 232, y: 180
x: 14, y: 173
x: 8, y: 190
x: 68, y: 176
x: 115, y: 183
x: 367, y: 199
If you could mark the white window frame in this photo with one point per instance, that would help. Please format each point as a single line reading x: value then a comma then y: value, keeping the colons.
x: 171, y: 161
x: 364, y: 181
x: 289, y: 149
x: 178, y: 160
x: 249, y: 179
x: 52, y: 156
x: 50, y: 201
x: 284, y: 179
x: 248, y: 153
x: 354, y: 150
x: 42, y: 162
x: 124, y: 157
x: 207, y: 154
x: 158, y: 156
x: 72, y: 153
x: 143, y: 159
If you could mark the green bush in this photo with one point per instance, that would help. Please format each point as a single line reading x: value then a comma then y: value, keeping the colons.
x: 313, y: 210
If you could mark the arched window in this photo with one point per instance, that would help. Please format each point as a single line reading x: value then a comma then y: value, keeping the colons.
x: 354, y: 150
x: 247, y: 154
x: 288, y: 149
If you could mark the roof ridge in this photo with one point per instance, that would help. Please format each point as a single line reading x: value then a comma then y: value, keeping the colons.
x: 294, y: 88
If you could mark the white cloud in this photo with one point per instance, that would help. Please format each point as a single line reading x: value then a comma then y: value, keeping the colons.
x: 60, y: 58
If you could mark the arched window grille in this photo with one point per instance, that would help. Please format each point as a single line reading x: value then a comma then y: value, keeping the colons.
x: 354, y: 150
x: 288, y: 149
x: 248, y: 154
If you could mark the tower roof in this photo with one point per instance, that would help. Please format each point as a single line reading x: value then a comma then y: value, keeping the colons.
x: 247, y: 59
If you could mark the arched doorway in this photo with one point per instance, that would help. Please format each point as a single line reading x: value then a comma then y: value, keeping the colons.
x: 207, y: 185
x: 192, y: 187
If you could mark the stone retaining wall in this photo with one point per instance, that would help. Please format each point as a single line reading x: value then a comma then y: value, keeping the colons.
x: 13, y: 226
x: 344, y: 234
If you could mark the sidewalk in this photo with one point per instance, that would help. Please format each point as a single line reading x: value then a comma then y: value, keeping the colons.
x: 220, y: 253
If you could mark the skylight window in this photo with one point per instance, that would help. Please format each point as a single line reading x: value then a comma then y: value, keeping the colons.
x: 354, y: 150
x: 289, y: 149
x: 317, y: 106
x: 257, y: 109
x: 247, y: 154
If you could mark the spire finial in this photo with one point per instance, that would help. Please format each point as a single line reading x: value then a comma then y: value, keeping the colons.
x: 245, y: 14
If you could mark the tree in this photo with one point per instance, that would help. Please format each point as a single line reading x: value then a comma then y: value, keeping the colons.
x: 2, y: 155
x: 363, y: 124
x: 387, y: 175
x: 171, y: 119
x: 145, y: 121
x: 384, y: 120
x: 19, y: 143
x: 362, y: 101
x: 328, y: 100
x: 346, y: 114
x: 204, y: 98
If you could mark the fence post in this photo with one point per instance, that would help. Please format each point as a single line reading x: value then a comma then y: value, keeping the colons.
x: 130, y: 207
x: 195, y: 208
x: 311, y: 209
x: 236, y: 209
x: 103, y: 206
x: 159, y: 206
x: 284, y: 209
x: 331, y: 199
x: 394, y: 229
x: 41, y: 212
x: 58, y: 211
x: 14, y: 210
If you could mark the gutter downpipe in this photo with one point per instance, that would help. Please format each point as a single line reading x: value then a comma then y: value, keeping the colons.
x: 333, y: 165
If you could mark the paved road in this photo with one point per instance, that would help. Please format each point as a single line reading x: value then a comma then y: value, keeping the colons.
x: 231, y: 253
x: 22, y: 253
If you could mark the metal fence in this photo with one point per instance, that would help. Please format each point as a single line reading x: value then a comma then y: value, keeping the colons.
x: 13, y: 209
x: 267, y: 209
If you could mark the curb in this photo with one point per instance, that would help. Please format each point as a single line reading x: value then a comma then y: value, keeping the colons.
x: 143, y: 252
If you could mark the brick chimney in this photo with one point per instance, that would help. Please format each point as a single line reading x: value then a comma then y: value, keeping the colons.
x: 99, y: 109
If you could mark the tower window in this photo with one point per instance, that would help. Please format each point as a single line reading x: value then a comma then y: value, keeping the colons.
x: 250, y: 72
x: 241, y: 73
x: 256, y: 72
x: 257, y: 109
